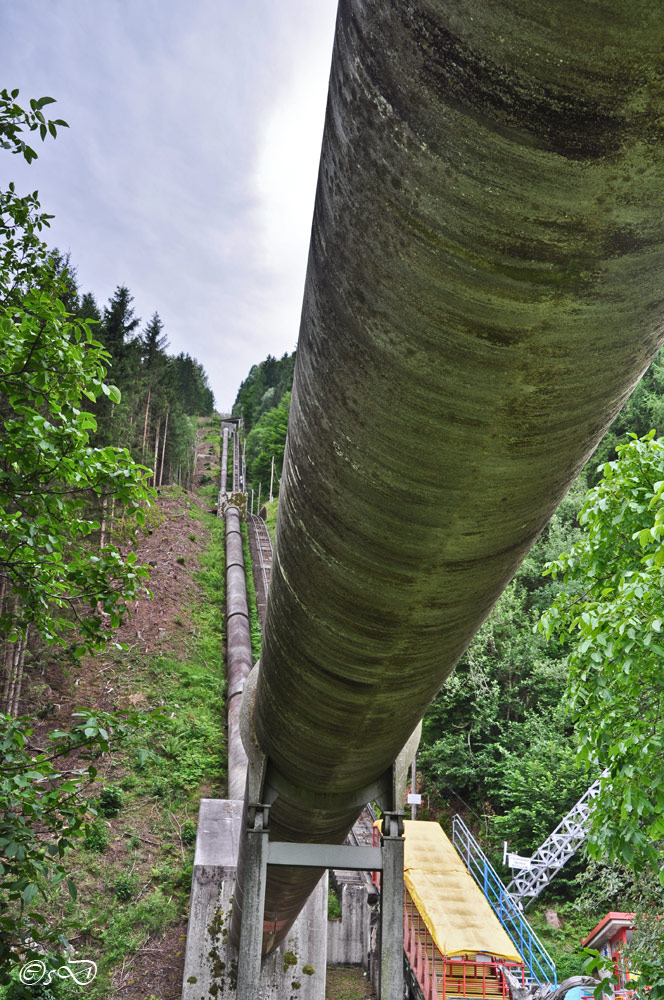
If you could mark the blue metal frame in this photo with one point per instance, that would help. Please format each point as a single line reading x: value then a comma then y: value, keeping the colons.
x: 540, y: 964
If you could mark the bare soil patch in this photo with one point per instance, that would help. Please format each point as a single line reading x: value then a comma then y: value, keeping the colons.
x: 346, y: 982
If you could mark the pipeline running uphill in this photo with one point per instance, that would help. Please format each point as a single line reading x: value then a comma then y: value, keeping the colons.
x: 485, y: 283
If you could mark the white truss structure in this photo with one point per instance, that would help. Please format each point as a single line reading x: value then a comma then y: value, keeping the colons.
x: 556, y: 850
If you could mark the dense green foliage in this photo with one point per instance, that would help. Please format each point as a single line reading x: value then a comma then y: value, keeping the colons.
x: 616, y: 655
x: 263, y: 389
x: 160, y: 393
x: 40, y: 790
x: 267, y: 441
x: 55, y: 587
x: 50, y: 475
x: 643, y: 412
x: 52, y: 479
x: 263, y: 402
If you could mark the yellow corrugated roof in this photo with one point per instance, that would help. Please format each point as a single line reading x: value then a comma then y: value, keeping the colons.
x: 451, y: 903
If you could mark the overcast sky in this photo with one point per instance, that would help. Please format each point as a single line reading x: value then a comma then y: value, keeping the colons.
x: 189, y: 169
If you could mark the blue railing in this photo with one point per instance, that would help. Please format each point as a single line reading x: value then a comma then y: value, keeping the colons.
x: 531, y: 949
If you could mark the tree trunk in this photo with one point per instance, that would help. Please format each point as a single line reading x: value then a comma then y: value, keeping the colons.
x: 18, y: 675
x: 12, y: 687
x: 7, y: 655
x: 8, y: 649
x: 156, y: 455
x: 145, y: 426
x: 102, y: 530
x: 163, y: 450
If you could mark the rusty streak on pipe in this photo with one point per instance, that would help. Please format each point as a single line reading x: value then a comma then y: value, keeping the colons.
x: 485, y: 283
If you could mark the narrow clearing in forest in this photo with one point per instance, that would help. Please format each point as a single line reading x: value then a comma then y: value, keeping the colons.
x: 133, y: 872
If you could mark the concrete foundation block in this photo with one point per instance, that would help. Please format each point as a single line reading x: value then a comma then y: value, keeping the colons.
x: 296, y: 971
x: 348, y: 938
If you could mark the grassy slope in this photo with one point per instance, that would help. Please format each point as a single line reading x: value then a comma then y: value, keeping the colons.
x: 271, y: 519
x: 133, y: 872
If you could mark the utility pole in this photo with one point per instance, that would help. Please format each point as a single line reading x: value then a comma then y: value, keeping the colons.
x: 271, y: 478
x: 252, y: 500
x: 258, y: 504
x: 414, y: 799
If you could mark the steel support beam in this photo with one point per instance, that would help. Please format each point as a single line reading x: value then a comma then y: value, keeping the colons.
x: 391, y: 909
x: 335, y: 856
x: 249, y: 952
x: 260, y: 854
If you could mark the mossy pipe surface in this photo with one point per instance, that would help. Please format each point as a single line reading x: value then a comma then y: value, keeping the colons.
x: 224, y: 463
x: 484, y: 290
x: 238, y: 649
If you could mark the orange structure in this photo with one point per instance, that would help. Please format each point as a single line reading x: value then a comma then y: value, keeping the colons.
x: 609, y: 938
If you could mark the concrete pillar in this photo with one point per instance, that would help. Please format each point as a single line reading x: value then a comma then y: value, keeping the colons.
x: 348, y: 937
x: 295, y: 969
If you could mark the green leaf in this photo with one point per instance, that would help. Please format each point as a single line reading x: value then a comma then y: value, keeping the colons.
x: 29, y: 892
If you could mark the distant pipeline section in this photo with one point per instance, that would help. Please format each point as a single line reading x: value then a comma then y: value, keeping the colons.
x: 238, y: 628
x: 486, y: 263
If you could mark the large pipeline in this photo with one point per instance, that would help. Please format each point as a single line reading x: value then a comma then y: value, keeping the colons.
x: 238, y: 628
x: 238, y: 650
x: 224, y: 464
x: 485, y: 271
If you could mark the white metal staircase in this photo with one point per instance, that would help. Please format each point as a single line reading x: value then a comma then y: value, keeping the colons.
x: 556, y: 850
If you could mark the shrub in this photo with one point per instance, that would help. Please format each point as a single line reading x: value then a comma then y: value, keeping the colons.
x: 125, y: 887
x: 110, y: 801
x: 188, y: 833
x: 96, y: 837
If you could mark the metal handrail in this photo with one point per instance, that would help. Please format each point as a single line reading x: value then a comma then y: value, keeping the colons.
x: 540, y: 964
x: 259, y: 527
x: 236, y: 463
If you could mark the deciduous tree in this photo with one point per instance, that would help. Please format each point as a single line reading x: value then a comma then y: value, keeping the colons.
x: 611, y: 615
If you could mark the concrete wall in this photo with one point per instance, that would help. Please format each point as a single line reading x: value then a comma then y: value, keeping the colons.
x: 348, y: 938
x: 295, y: 970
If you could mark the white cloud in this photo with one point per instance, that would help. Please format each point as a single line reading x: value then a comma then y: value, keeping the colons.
x: 189, y: 169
